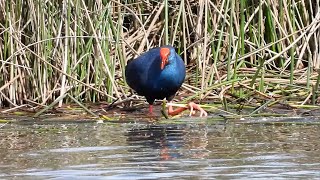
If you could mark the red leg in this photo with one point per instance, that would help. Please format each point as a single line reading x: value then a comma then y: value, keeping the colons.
x: 177, y: 111
x: 193, y: 108
x: 151, y: 109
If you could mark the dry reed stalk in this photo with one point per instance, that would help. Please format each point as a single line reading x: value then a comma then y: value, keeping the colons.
x: 81, y: 47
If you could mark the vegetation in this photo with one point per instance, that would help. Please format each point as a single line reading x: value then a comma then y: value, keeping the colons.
x: 247, y: 52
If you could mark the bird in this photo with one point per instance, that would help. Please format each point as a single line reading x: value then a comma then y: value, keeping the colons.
x: 158, y: 74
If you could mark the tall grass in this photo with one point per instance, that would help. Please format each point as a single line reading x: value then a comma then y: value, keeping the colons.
x: 234, y: 50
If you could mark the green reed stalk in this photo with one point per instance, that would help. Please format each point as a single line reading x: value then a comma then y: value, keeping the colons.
x: 242, y: 30
x: 218, y: 47
x: 79, y: 64
x: 269, y: 27
x: 315, y: 89
x: 240, y: 49
x: 309, y: 69
x: 261, y: 61
x: 204, y: 48
x: 281, y: 21
x: 177, y: 23
x: 231, y: 35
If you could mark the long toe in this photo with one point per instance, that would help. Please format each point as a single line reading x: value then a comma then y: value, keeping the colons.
x: 195, y: 107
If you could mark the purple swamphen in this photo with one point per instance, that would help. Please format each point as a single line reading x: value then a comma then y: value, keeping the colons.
x: 158, y: 74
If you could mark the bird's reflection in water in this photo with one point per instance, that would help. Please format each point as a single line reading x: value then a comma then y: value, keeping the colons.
x: 167, y: 142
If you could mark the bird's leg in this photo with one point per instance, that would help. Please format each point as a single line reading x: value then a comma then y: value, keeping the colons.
x: 177, y: 111
x: 150, y: 109
x: 151, y: 114
x: 191, y: 105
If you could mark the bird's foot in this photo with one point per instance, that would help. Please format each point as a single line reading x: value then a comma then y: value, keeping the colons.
x: 194, y: 108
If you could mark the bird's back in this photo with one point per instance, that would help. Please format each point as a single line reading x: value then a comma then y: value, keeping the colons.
x: 138, y: 70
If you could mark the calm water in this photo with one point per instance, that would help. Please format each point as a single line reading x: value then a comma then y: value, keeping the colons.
x: 190, y: 150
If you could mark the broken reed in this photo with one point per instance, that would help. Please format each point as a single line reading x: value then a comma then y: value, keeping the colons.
x: 233, y: 49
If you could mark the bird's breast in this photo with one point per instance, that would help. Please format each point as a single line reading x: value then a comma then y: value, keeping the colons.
x: 169, y: 78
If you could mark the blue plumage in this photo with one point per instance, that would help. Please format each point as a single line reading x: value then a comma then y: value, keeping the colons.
x: 145, y: 76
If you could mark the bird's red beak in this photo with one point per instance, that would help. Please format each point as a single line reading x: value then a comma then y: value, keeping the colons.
x: 164, y: 53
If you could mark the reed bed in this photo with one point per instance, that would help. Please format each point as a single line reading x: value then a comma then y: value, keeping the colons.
x: 245, y: 52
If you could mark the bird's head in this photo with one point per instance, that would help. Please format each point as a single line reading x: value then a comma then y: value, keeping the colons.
x: 164, y: 54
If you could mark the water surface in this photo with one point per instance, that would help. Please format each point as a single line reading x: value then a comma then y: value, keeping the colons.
x: 190, y: 150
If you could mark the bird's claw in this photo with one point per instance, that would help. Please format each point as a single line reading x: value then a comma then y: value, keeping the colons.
x: 194, y: 108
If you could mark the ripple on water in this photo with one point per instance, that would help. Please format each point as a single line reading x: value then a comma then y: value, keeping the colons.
x: 156, y: 151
